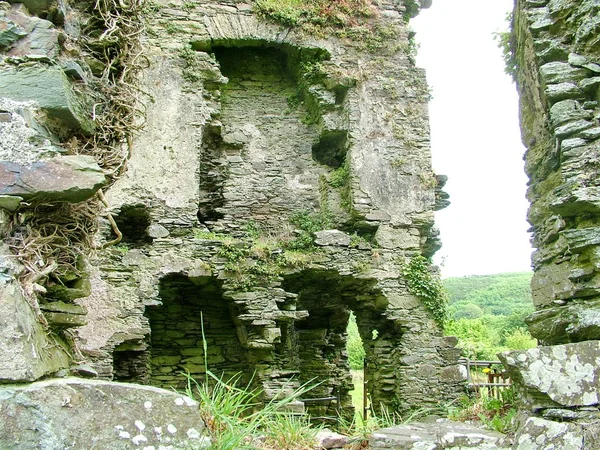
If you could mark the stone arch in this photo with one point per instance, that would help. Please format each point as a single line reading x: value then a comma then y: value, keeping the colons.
x: 319, y: 341
x: 193, y: 309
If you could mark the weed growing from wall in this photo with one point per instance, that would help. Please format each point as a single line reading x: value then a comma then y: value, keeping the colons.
x: 429, y: 288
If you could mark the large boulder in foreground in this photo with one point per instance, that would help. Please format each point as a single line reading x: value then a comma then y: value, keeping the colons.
x: 556, y: 376
x: 84, y: 414
x: 538, y: 433
x: 73, y: 178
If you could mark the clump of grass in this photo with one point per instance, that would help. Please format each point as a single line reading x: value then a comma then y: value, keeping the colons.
x: 236, y: 418
x: 495, y: 413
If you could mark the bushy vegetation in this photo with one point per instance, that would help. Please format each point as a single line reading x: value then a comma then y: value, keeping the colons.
x: 315, y: 14
x: 427, y: 286
x: 487, y: 312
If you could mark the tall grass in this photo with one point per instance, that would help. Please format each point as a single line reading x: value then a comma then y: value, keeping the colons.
x: 236, y: 417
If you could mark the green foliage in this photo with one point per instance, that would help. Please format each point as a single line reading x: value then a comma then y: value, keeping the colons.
x: 427, y: 287
x: 307, y: 223
x: 497, y: 413
x: 488, y: 313
x: 340, y: 177
x: 354, y: 345
x: 234, y: 422
x: 507, y: 41
x: 314, y: 15
x: 502, y: 294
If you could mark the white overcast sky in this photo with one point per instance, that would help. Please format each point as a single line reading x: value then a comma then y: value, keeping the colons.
x: 475, y: 138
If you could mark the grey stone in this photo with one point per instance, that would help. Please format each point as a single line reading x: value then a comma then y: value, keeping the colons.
x: 540, y: 433
x: 593, y: 67
x: 561, y: 72
x: 10, y: 202
x: 327, y: 439
x: 76, y: 413
x: 26, y: 351
x: 569, y: 146
x: 156, y: 230
x: 9, y: 32
x: 567, y: 110
x: 571, y: 128
x: 562, y: 91
x: 41, y: 36
x: 51, y: 90
x: 591, y: 133
x: 557, y: 376
x: 67, y: 178
x: 574, y: 322
x: 590, y: 84
x: 438, y: 435
x: 577, y: 60
x: 580, y: 239
x: 332, y: 237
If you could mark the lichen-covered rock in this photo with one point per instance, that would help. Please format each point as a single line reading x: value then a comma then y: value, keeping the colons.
x: 541, y: 434
x: 84, y: 414
x: 438, y: 435
x: 71, y: 178
x: 332, y: 237
x: 561, y: 375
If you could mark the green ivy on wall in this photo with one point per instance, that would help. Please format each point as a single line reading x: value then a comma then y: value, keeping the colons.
x: 428, y: 287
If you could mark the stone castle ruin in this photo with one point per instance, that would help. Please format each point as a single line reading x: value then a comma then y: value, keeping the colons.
x: 188, y: 186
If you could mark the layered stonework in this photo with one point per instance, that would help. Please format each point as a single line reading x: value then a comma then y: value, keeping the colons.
x: 558, y: 77
x: 249, y: 127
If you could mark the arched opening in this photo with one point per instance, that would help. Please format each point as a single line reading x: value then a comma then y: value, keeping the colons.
x: 193, y: 310
x: 320, y: 340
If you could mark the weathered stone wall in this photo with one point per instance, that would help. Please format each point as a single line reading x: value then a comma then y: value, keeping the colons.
x: 281, y: 181
x: 249, y: 126
x: 558, y: 77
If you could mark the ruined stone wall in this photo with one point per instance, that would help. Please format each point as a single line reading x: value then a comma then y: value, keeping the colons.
x: 279, y: 181
x: 252, y: 133
x: 557, y: 52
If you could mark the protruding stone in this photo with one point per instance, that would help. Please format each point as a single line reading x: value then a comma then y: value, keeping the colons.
x: 156, y: 230
x: 71, y: 178
x: 10, y: 202
x: 575, y: 322
x: 557, y: 376
x: 539, y: 433
x: 561, y: 72
x: 51, y: 90
x: 332, y: 237
x: 329, y: 439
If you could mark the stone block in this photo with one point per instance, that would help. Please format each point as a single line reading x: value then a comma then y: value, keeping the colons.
x: 73, y: 178
x: 77, y: 413
x: 41, y: 37
x: 561, y: 72
x: 65, y: 320
x: 26, y: 351
x: 566, y: 111
x: 49, y: 87
x: 574, y: 322
x: 556, y: 376
x: 435, y: 435
x: 332, y: 237
x: 539, y: 433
